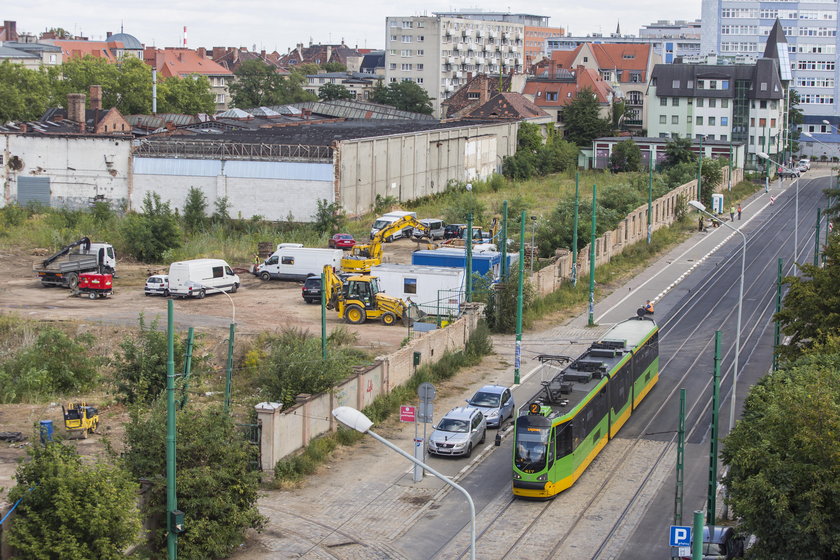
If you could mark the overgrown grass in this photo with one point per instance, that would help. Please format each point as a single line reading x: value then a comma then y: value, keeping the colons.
x: 292, y: 469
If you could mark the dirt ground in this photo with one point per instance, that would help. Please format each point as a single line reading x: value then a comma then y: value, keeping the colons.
x: 257, y: 307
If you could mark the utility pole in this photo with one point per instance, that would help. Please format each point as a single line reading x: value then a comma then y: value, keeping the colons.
x: 469, y: 256
x: 503, y: 241
x: 777, y: 326
x: 518, y: 355
x: 229, y: 367
x: 187, y: 368
x: 678, y: 495
x: 575, y: 230
x: 323, y: 316
x: 713, y: 437
x: 817, y: 241
x: 700, y: 171
x: 592, y: 260
x: 650, y: 198
x: 171, y: 495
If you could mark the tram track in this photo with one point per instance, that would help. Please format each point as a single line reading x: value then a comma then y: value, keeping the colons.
x: 685, y: 314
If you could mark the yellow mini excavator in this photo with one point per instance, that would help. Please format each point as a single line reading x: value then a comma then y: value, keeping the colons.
x: 80, y: 418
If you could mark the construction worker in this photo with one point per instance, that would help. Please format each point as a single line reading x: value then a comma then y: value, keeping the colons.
x: 731, y: 213
x: 649, y: 307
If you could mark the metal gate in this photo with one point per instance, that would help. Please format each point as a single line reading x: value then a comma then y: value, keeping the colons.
x: 33, y: 190
x: 252, y: 434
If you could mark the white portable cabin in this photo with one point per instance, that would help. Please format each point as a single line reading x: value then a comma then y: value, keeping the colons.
x: 436, y: 290
x: 200, y: 277
x: 292, y: 261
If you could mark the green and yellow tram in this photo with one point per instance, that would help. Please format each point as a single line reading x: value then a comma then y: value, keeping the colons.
x: 564, y: 426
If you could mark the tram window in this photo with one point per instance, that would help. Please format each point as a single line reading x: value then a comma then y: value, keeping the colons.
x: 563, y: 440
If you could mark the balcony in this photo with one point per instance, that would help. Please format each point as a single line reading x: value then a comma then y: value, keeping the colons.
x: 453, y: 60
x: 468, y: 60
x: 460, y: 47
x: 479, y: 60
x: 468, y: 32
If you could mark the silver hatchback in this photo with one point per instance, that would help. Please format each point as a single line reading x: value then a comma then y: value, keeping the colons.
x: 458, y: 432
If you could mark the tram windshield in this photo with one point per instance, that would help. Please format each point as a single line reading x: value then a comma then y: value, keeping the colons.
x: 531, y: 448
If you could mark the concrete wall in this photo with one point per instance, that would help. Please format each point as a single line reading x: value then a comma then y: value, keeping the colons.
x: 286, y: 431
x: 79, y: 167
x: 409, y: 166
x: 631, y: 230
x: 274, y: 190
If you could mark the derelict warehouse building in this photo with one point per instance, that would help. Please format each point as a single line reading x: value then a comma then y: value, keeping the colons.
x: 281, y: 172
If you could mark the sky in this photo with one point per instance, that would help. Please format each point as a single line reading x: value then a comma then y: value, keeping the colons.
x: 277, y: 25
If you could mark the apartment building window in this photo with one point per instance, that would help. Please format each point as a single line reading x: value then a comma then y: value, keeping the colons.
x: 772, y: 123
x: 724, y: 121
x: 393, y: 37
x: 605, y: 75
x: 551, y: 96
x: 419, y: 80
x: 752, y: 140
x: 724, y: 103
x: 419, y: 66
x: 663, y: 101
x: 421, y: 38
x: 405, y: 52
x: 220, y: 98
x: 635, y: 77
x: 407, y: 24
x: 675, y: 102
x: 699, y: 101
x: 675, y: 84
x: 405, y: 67
x: 675, y: 119
x: 723, y: 137
x: 392, y: 66
x: 698, y: 120
x: 712, y: 103
x: 663, y: 119
x: 406, y: 38
x: 420, y: 52
x: 711, y: 121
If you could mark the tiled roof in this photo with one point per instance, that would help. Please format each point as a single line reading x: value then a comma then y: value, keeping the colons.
x: 182, y: 62
x: 621, y: 56
x: 566, y: 91
x: 508, y: 106
x: 80, y: 49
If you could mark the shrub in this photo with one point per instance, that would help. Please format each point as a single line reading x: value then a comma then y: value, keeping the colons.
x: 329, y: 217
x: 149, y: 235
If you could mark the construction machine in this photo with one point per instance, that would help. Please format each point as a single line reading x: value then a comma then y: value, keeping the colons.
x: 64, y: 267
x: 80, y: 418
x: 362, y: 257
x: 358, y: 299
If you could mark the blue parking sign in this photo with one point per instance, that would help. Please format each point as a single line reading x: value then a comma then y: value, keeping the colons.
x: 680, y: 536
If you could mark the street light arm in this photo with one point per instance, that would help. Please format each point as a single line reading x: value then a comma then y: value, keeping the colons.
x: 219, y: 290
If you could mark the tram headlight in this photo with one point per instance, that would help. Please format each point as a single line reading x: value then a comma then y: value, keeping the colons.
x: 542, y: 477
x: 517, y: 476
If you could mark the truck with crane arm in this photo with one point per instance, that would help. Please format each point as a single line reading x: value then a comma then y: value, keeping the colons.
x: 64, y: 267
x: 364, y: 256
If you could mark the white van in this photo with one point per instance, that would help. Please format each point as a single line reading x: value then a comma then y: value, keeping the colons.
x: 291, y: 262
x: 435, y: 226
x: 199, y: 277
x: 386, y: 220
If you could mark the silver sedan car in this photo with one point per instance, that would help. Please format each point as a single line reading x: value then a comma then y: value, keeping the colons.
x: 458, y: 432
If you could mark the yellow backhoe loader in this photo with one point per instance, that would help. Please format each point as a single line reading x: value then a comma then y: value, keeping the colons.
x: 358, y: 299
x: 363, y: 257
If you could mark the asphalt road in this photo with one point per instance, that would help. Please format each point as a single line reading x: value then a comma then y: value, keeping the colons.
x: 689, y: 311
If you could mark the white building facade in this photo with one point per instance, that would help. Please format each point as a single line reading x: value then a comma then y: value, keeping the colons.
x: 439, y: 52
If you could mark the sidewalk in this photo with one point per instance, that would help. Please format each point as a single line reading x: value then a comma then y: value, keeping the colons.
x: 358, y: 504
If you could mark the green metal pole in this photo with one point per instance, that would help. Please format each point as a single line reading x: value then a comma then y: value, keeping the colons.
x: 730, y: 162
x: 678, y: 496
x: 518, y: 354
x: 700, y: 171
x: 697, y: 537
x: 171, y: 496
x: 187, y: 368
x: 650, y: 198
x: 503, y: 244
x: 575, y: 230
x: 469, y: 257
x: 323, y: 317
x: 777, y: 326
x: 592, y: 260
x: 817, y: 241
x: 713, y: 453
x: 229, y: 367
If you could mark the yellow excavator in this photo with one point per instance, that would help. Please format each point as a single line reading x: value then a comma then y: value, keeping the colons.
x: 363, y: 257
x: 358, y: 299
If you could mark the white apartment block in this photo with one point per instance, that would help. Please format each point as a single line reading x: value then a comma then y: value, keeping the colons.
x: 440, y: 53
x: 736, y: 27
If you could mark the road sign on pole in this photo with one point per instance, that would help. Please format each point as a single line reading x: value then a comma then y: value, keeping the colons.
x: 426, y: 392
x: 408, y: 413
x: 680, y: 536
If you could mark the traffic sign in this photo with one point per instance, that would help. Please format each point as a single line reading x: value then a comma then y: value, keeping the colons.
x: 407, y: 413
x: 426, y: 392
x: 425, y: 413
x: 680, y: 536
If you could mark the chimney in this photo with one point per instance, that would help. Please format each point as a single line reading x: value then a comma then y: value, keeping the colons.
x: 24, y: 128
x: 96, y: 98
x: 484, y: 95
x: 76, y: 107
x: 552, y: 69
x: 10, y: 28
x: 202, y: 52
x: 108, y: 34
x: 218, y: 52
x: 469, y: 76
x: 82, y: 127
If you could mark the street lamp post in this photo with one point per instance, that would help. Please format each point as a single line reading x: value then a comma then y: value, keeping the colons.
x: 702, y: 209
x: 356, y: 420
x: 763, y: 155
x: 229, y: 364
x: 533, y: 240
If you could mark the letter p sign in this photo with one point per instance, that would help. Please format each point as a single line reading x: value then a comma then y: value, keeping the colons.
x: 680, y: 536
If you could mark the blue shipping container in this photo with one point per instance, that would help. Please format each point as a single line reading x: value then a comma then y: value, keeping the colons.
x: 482, y: 263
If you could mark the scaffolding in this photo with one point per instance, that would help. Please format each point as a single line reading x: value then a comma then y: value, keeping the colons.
x: 191, y: 149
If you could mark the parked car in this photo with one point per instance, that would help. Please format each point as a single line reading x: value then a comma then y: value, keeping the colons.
x: 436, y: 229
x: 157, y: 284
x: 453, y: 231
x: 495, y: 402
x: 805, y: 163
x: 458, y: 432
x: 785, y: 172
x: 311, y: 289
x: 342, y: 241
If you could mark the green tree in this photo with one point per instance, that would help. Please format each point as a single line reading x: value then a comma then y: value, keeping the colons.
x: 811, y: 310
x: 71, y: 509
x: 195, y: 210
x: 149, y: 235
x: 406, y: 96
x: 25, y: 93
x: 141, y: 363
x: 334, y: 67
x: 677, y: 151
x: 188, y: 95
x: 619, y: 112
x: 626, y: 156
x: 329, y: 217
x: 217, y: 491
x: 502, y: 301
x: 784, y: 470
x: 126, y: 86
x: 306, y: 69
x: 582, y: 120
x: 461, y: 206
x: 332, y: 92
x: 221, y: 214
x: 258, y: 84
x: 795, y: 119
